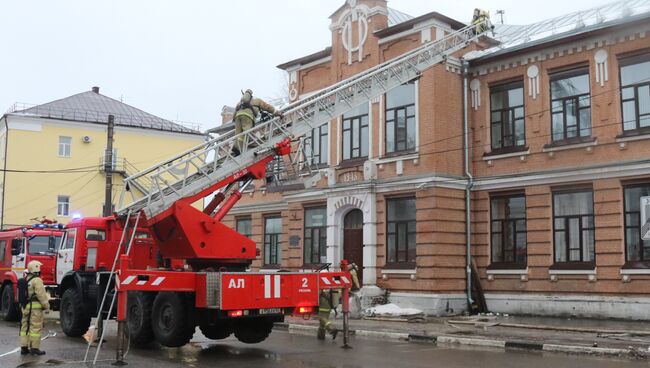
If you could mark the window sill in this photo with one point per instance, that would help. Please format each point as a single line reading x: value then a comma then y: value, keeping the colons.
x: 496, y: 155
x: 632, y: 137
x: 635, y: 271
x: 570, y: 145
x: 399, y: 272
x: 572, y: 272
x: 511, y: 271
x: 400, y: 156
x: 271, y: 267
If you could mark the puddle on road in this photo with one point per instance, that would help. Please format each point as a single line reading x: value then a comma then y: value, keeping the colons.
x: 38, y: 363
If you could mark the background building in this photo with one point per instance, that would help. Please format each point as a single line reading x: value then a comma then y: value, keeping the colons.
x: 52, y: 154
x: 558, y: 150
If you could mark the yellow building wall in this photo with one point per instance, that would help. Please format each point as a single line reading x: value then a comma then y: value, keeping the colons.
x: 34, y: 195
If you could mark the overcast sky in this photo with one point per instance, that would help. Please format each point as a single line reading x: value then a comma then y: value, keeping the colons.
x: 183, y: 60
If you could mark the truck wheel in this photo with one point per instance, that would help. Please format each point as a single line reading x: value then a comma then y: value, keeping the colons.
x: 252, y: 331
x: 217, y: 331
x: 8, y: 307
x: 171, y: 321
x: 74, y: 320
x: 138, y: 317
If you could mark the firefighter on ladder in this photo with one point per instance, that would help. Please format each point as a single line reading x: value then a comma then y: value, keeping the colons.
x: 328, y: 300
x: 36, y: 303
x: 481, y: 17
x: 246, y: 113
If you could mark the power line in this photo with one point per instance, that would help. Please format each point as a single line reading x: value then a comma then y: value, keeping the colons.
x: 46, y: 193
x: 74, y: 170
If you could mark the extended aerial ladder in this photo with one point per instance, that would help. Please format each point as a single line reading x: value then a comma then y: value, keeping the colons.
x: 162, y: 195
x: 195, y: 173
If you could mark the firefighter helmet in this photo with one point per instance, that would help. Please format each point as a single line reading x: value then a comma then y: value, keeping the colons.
x: 34, y: 267
x: 247, y: 96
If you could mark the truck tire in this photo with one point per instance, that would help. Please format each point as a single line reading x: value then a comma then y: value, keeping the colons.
x: 171, y: 321
x: 138, y: 318
x: 253, y: 330
x: 217, y: 331
x: 74, y: 319
x: 8, y: 307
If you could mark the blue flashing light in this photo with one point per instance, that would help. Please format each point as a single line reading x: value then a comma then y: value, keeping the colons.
x: 76, y: 216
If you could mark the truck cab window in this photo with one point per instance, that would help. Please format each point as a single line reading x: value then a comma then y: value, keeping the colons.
x: 95, y: 234
x: 40, y: 244
x: 141, y: 235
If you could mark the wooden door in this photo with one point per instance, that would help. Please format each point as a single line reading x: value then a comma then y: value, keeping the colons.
x: 353, y: 239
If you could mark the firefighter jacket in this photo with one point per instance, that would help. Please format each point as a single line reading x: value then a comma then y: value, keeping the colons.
x: 37, y: 294
x: 252, y: 110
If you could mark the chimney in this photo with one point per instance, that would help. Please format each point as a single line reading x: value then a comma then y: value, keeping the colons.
x: 96, y: 89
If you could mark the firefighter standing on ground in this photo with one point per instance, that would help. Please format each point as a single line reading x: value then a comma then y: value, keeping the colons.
x: 246, y: 113
x: 37, y: 304
x: 329, y: 299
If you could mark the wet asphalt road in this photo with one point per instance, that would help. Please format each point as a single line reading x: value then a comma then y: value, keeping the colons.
x: 285, y: 350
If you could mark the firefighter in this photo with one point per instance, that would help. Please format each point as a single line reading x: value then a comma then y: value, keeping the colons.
x: 481, y: 17
x: 328, y: 300
x: 246, y: 113
x: 36, y: 303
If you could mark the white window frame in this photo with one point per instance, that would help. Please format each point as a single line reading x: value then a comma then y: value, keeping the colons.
x: 61, y: 205
x: 64, y: 145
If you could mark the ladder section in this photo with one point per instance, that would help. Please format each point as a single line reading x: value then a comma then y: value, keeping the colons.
x: 199, y: 168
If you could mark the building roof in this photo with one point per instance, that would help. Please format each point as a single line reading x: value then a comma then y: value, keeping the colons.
x: 396, y: 17
x: 410, y: 23
x: 307, y: 59
x: 93, y: 107
x: 519, y: 38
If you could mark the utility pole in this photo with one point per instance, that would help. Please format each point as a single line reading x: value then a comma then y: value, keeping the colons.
x: 108, y: 167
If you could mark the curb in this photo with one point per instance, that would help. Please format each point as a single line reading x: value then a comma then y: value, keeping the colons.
x: 467, y: 341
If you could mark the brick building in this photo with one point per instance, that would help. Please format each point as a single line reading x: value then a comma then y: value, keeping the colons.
x: 559, y: 129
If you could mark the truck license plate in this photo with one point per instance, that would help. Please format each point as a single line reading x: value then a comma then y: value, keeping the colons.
x: 271, y: 311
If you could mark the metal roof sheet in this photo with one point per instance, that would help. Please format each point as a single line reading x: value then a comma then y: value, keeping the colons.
x: 93, y: 107
x: 396, y: 17
x: 517, y: 37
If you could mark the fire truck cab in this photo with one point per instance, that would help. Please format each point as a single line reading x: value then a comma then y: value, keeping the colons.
x: 18, y: 247
x: 85, y: 256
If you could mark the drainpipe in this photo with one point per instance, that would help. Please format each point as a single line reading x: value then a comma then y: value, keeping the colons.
x: 4, y: 172
x: 468, y: 189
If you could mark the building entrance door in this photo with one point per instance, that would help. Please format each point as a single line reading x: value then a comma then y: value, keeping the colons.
x: 353, y: 239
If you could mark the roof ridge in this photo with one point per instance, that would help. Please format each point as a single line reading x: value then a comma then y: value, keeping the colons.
x: 92, y: 106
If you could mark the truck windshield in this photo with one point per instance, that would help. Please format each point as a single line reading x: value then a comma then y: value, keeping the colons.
x: 42, y: 244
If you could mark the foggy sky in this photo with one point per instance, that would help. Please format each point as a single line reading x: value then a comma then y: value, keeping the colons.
x: 183, y: 60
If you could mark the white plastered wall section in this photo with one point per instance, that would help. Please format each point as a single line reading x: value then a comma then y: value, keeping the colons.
x: 337, y: 208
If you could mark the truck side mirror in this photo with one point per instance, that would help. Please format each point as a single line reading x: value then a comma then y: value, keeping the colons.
x: 51, y: 245
x: 16, y: 246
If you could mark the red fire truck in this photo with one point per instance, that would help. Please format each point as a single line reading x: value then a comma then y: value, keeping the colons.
x: 18, y: 247
x: 83, y: 260
x: 190, y: 272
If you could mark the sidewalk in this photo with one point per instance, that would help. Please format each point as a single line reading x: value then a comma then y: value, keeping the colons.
x: 568, y: 335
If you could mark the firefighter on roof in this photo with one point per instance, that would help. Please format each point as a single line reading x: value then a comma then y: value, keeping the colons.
x: 34, y: 302
x: 246, y: 112
x: 328, y: 300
